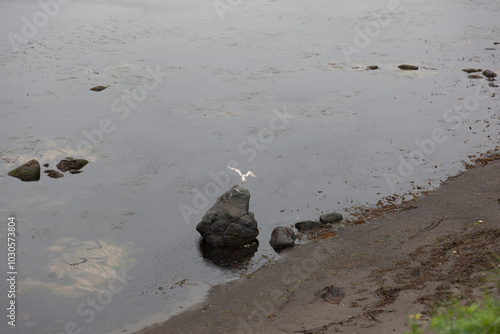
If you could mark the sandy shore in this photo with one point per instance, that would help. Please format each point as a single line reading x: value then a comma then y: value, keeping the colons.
x: 391, y: 267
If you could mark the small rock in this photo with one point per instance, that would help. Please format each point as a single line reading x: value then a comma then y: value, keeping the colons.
x: 74, y: 171
x: 471, y: 70
x: 98, y: 88
x: 474, y: 76
x: 372, y: 67
x: 490, y: 49
x: 54, y: 173
x: 45, y: 165
x: 489, y: 74
x: 282, y: 237
x: 408, y: 67
x: 330, y: 218
x: 307, y: 225
x: 28, y: 172
x: 71, y: 164
x: 491, y: 84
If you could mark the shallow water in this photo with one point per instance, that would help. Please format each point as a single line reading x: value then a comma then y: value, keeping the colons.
x: 268, y: 87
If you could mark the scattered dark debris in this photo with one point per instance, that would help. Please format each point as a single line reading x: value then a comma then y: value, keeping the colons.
x: 483, y: 159
x: 451, y: 261
x: 432, y: 226
x: 179, y: 283
x: 386, y: 295
x: 331, y: 294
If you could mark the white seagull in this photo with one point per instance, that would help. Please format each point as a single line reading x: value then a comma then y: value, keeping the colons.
x: 243, y: 176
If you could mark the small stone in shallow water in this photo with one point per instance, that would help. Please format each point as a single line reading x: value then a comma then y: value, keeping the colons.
x: 474, y: 76
x: 489, y: 74
x: 330, y: 218
x: 71, y: 164
x: 471, y: 70
x: 54, y: 174
x: 372, y: 67
x: 98, y: 88
x: 307, y: 225
x: 45, y: 165
x: 492, y: 84
x: 406, y: 67
x: 282, y: 237
x: 28, y: 172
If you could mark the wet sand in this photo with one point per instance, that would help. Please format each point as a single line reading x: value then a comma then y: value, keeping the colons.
x: 391, y: 267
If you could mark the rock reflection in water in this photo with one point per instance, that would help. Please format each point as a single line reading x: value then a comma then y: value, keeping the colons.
x: 229, y: 258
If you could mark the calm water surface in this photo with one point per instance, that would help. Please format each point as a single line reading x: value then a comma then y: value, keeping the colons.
x: 277, y: 87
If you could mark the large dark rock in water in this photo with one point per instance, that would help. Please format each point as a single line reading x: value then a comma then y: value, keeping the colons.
x: 282, y: 237
x: 30, y: 171
x: 71, y: 164
x: 228, y: 223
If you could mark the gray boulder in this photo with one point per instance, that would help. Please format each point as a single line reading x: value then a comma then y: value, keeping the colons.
x: 28, y: 172
x: 228, y: 223
x: 330, y: 218
x: 282, y: 237
x: 307, y: 225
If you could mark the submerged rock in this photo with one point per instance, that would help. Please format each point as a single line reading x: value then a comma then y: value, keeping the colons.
x: 228, y: 223
x: 489, y: 74
x: 54, y: 173
x: 28, y: 172
x: 405, y: 67
x: 330, y: 218
x: 372, y: 67
x: 282, y: 237
x: 307, y: 225
x: 71, y: 164
x: 474, y: 76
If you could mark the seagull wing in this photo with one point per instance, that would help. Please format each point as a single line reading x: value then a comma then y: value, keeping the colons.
x: 250, y: 173
x: 235, y: 169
